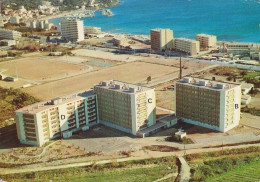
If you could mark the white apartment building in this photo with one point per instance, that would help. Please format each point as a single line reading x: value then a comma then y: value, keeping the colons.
x: 210, y: 104
x: 38, y: 123
x: 10, y: 34
x: 161, y: 39
x: 127, y: 107
x: 72, y: 29
x: 43, y: 24
x: 206, y: 41
x: 189, y: 46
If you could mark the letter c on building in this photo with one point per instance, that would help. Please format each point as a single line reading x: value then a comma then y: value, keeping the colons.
x: 150, y: 100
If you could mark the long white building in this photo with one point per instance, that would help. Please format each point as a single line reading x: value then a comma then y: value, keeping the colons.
x: 10, y: 34
x: 72, y: 29
x: 189, y: 46
x: 124, y: 106
x: 207, y: 103
x: 60, y: 117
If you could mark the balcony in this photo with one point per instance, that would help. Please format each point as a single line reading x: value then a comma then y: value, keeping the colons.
x: 29, y: 126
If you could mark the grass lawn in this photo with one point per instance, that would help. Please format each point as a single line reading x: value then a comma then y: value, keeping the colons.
x: 131, y: 171
x: 11, y: 100
x: 212, y: 165
x: 247, y: 173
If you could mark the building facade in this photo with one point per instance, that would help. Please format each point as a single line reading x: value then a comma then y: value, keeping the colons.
x: 161, y: 39
x: 206, y: 41
x: 189, y: 46
x: 10, y: 34
x: 37, y: 124
x: 210, y: 104
x: 127, y: 107
x: 72, y: 30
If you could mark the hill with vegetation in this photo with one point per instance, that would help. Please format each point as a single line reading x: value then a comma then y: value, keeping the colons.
x: 65, y: 5
x: 11, y: 100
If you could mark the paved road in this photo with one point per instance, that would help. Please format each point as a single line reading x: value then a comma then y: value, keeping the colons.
x: 163, y: 109
x: 175, y: 56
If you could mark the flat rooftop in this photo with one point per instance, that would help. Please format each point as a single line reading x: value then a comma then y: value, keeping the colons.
x: 123, y: 87
x: 205, y: 35
x: 41, y: 106
x: 208, y: 84
x: 159, y: 29
x: 186, y: 40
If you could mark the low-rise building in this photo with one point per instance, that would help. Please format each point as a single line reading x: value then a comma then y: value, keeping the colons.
x: 92, y: 30
x: 189, y: 46
x: 206, y: 41
x: 60, y: 117
x: 7, y: 42
x: 240, y: 48
x: 207, y: 103
x: 10, y: 34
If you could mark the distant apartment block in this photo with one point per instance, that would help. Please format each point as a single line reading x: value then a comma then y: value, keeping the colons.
x: 72, y: 29
x: 92, y: 30
x: 10, y: 34
x: 206, y: 41
x: 43, y: 24
x: 161, y: 39
x: 240, y: 48
x: 38, y: 123
x: 127, y: 107
x: 189, y: 46
x: 210, y: 104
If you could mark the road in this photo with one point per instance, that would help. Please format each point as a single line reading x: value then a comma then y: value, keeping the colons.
x: 174, y: 55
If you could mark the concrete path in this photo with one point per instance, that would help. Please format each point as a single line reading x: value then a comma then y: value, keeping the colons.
x: 33, y: 168
x: 167, y: 177
x: 185, y: 170
x: 164, y: 109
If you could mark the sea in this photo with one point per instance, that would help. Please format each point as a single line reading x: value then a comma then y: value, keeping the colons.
x: 230, y: 20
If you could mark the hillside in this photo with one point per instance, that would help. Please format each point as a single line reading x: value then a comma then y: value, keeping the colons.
x: 65, y: 5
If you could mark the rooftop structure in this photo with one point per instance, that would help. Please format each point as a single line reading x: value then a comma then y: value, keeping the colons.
x: 161, y: 39
x: 211, y: 104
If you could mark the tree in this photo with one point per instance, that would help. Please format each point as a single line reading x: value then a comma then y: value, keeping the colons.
x: 148, y: 79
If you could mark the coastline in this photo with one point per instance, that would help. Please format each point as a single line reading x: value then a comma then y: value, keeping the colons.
x: 64, y: 14
x: 129, y: 20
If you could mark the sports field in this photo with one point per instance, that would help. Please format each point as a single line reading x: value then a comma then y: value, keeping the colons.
x: 134, y: 72
x: 38, y: 69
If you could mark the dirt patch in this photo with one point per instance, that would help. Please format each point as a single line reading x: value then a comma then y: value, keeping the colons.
x: 160, y: 148
x: 40, y: 69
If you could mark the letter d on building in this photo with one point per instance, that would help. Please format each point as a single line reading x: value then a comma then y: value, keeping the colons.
x: 62, y: 117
